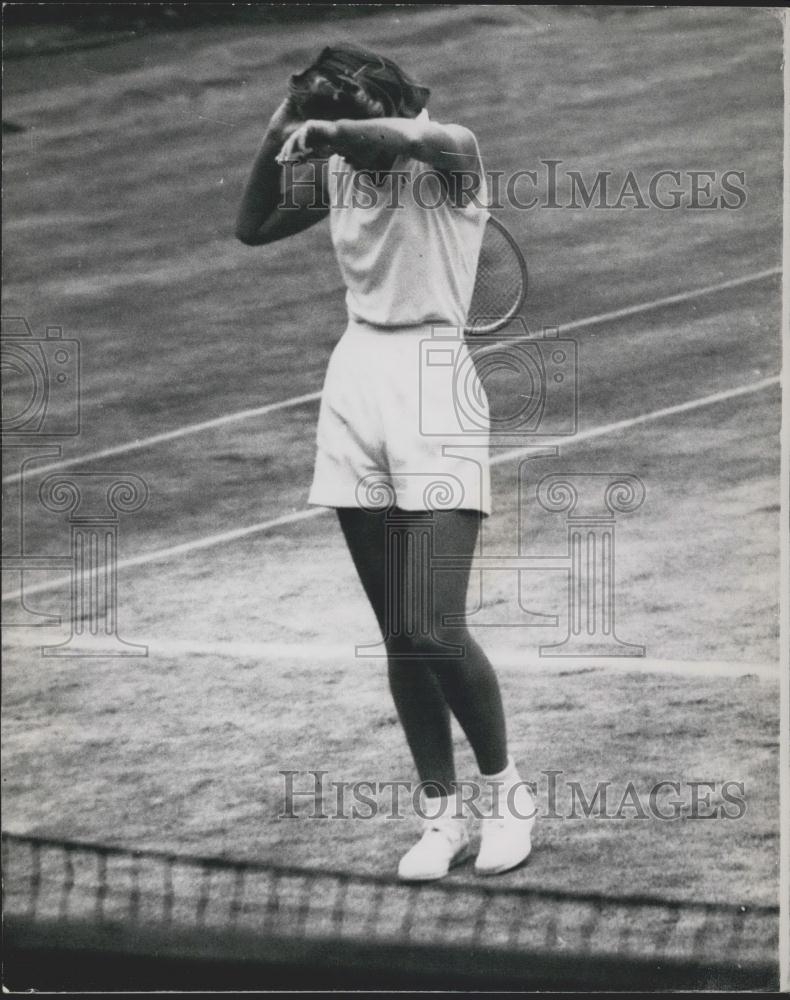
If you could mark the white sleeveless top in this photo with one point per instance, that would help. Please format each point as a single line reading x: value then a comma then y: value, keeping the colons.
x: 407, y: 256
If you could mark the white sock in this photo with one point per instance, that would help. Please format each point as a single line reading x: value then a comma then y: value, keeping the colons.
x: 500, y: 787
x: 509, y: 776
x: 441, y: 809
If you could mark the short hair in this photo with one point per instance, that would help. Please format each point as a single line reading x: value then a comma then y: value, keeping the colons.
x: 347, y: 81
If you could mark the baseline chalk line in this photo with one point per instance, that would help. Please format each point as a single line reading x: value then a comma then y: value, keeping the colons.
x: 304, y: 515
x: 506, y: 657
x: 284, y: 404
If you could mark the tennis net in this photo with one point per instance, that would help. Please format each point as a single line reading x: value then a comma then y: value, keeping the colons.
x: 80, y: 915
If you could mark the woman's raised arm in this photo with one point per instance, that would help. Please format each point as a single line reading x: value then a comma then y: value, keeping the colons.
x: 274, y: 204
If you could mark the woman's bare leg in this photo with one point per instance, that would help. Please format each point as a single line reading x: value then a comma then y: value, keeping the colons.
x: 424, y: 680
x: 418, y: 697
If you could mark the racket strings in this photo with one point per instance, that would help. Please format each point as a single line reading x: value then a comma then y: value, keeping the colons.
x: 500, y: 281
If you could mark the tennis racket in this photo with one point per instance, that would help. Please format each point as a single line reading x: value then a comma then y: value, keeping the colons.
x: 500, y: 282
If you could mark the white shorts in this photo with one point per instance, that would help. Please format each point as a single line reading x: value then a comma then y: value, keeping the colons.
x: 404, y: 422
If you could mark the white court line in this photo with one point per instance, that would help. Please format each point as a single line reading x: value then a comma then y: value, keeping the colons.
x: 178, y: 432
x: 504, y: 656
x: 258, y: 411
x: 303, y: 515
x: 669, y: 300
x: 618, y: 425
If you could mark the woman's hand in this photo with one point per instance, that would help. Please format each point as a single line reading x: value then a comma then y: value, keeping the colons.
x: 312, y: 138
x: 285, y: 120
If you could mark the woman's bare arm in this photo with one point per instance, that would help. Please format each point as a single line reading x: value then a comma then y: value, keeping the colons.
x: 279, y: 203
x: 445, y: 147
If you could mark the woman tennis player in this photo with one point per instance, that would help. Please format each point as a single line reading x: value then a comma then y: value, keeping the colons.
x: 406, y: 203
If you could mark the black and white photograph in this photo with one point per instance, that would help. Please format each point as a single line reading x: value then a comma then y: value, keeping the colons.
x: 395, y: 498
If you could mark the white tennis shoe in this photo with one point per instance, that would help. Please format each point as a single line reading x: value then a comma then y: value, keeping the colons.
x: 506, y: 835
x: 444, y: 843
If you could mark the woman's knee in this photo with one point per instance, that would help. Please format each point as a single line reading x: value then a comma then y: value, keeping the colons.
x: 439, y: 645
